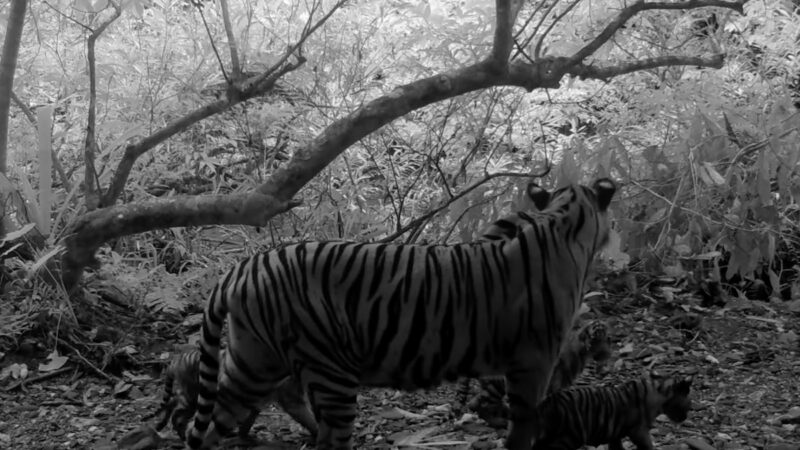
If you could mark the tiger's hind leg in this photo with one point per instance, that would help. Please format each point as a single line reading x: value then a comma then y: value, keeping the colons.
x: 641, y: 438
x: 249, y: 376
x: 333, y: 398
x: 292, y: 399
x: 247, y: 424
x: 525, y: 389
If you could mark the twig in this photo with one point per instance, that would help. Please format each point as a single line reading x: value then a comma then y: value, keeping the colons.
x: 40, y: 377
x: 422, y: 219
x: 86, y: 361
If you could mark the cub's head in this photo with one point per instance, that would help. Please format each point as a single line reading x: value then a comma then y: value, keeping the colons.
x: 583, y: 210
x: 596, y: 340
x: 673, y: 393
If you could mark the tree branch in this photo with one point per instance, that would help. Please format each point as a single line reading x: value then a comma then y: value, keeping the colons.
x: 275, y: 194
x: 121, y: 220
x: 257, y: 82
x: 605, y: 73
x: 430, y: 214
x: 236, y: 68
x: 537, y: 52
x: 134, y: 151
x: 90, y: 183
x: 507, y: 11
x: 626, y: 13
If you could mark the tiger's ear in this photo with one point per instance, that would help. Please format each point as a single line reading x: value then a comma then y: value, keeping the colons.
x: 539, y: 195
x: 605, y: 189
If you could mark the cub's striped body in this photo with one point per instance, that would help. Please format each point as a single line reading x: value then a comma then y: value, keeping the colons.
x: 339, y: 315
x: 590, y: 342
x: 181, y: 389
x: 600, y: 415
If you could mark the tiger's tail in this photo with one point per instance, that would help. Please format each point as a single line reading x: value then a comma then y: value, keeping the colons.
x: 213, y: 321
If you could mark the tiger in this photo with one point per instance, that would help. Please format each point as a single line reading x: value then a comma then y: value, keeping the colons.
x: 595, y: 415
x: 338, y: 315
x: 181, y: 387
x: 591, y: 341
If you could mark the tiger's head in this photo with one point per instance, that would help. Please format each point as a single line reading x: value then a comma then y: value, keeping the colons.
x: 576, y: 204
x: 673, y: 395
x: 596, y: 340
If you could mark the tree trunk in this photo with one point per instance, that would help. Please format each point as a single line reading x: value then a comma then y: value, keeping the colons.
x: 8, y: 63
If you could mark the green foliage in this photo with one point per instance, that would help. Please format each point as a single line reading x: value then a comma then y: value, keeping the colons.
x: 704, y: 156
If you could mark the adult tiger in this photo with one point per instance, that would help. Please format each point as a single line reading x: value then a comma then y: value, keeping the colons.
x: 336, y: 315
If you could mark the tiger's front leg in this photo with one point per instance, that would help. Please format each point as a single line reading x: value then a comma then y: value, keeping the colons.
x: 525, y: 391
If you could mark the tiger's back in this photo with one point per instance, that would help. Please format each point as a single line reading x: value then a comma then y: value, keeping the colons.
x: 340, y: 315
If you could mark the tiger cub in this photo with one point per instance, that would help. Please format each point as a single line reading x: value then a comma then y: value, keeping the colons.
x: 592, y: 341
x: 595, y: 415
x: 181, y: 386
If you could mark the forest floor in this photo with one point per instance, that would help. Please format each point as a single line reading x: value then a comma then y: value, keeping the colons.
x: 745, y: 358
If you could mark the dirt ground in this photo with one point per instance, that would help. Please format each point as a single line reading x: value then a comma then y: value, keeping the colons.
x: 745, y: 358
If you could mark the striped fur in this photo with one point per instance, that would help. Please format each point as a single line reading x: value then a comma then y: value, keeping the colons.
x: 592, y: 341
x: 600, y: 415
x: 182, y: 386
x: 339, y: 315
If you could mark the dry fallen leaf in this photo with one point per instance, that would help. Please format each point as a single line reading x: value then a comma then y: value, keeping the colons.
x: 55, y: 362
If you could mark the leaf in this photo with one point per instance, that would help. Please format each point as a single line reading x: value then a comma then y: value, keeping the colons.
x: 55, y: 362
x: 16, y: 371
x: 14, y: 235
x: 121, y: 388
x: 626, y: 349
x: 412, y: 438
x: 398, y: 413
x: 675, y: 271
x: 41, y: 261
x: 656, y: 217
x: 763, y: 179
x: 166, y: 297
x: 568, y: 171
x: 708, y: 255
x: 710, y: 175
